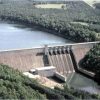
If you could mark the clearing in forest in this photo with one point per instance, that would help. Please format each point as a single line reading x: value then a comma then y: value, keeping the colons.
x: 55, y: 6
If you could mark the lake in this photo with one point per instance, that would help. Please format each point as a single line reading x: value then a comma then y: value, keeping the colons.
x: 14, y: 36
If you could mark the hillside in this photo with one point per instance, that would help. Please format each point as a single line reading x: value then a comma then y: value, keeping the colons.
x: 13, y: 85
x: 91, y: 61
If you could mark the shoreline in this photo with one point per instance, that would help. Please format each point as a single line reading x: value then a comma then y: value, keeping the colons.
x: 38, y: 27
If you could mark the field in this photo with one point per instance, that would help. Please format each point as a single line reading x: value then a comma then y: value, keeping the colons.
x: 55, y: 6
x: 81, y: 23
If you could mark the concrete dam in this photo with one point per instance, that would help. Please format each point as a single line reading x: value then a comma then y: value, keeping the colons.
x: 64, y: 57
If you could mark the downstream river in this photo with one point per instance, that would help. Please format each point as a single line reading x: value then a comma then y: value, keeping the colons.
x: 13, y: 36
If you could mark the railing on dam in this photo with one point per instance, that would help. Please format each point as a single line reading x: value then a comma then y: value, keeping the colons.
x: 55, y: 45
x: 70, y: 45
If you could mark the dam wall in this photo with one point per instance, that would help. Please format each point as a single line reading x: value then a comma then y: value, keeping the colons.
x: 59, y: 56
x: 23, y: 60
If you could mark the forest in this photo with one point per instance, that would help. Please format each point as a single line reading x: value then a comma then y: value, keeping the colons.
x: 91, y: 61
x: 17, y: 86
x: 78, y: 22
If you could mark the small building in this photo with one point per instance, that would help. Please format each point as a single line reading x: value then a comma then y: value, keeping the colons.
x: 48, y: 71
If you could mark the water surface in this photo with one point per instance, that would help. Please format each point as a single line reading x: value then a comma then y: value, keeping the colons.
x: 13, y: 36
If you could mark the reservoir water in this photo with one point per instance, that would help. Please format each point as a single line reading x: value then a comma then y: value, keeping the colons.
x: 13, y: 36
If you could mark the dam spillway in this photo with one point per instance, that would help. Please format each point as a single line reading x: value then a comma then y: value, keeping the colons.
x: 61, y: 59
